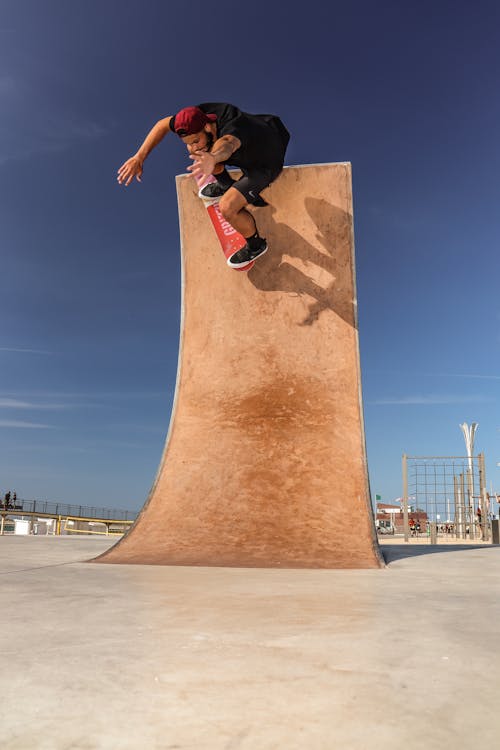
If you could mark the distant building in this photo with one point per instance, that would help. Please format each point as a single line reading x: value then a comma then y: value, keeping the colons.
x: 386, y: 518
x: 385, y: 508
x: 390, y: 517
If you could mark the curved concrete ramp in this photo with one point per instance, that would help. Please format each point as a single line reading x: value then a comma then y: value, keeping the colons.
x: 265, y: 462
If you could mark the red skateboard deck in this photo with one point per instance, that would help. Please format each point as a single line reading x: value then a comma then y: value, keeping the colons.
x: 230, y: 240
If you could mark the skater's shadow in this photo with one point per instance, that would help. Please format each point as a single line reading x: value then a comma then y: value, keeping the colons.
x: 331, y: 254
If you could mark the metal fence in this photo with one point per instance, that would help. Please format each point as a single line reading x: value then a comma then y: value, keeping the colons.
x: 450, y: 493
x: 46, y: 507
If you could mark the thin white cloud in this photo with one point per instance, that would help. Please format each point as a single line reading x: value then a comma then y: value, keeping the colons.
x: 461, y: 375
x: 472, y: 376
x: 55, y: 129
x: 49, y: 141
x: 60, y: 395
x: 13, y: 403
x: 24, y: 425
x: 399, y: 222
x: 430, y: 400
x: 23, y: 351
x: 7, y: 85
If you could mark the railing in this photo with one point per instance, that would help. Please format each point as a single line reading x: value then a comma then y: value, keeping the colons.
x: 46, y: 507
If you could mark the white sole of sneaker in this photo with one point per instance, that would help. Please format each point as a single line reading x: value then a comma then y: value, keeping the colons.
x: 206, y: 199
x: 247, y: 262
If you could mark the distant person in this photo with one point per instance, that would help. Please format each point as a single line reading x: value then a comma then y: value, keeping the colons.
x: 479, y: 515
x: 219, y: 134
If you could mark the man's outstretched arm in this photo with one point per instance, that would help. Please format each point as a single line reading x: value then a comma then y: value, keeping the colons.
x: 133, y: 166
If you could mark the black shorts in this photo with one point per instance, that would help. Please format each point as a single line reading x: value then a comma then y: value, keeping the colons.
x: 255, y: 179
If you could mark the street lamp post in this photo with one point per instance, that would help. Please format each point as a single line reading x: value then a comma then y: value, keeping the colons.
x: 469, y: 432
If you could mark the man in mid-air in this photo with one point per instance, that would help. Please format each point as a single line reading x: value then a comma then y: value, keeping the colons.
x: 217, y: 134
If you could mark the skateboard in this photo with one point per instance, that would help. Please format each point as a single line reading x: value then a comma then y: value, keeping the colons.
x: 230, y: 240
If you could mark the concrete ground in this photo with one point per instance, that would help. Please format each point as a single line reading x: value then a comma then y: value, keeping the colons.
x: 157, y: 658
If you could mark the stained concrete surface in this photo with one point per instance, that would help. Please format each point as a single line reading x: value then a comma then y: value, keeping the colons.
x: 116, y: 656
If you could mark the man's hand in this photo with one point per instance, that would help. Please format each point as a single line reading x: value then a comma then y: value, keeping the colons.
x: 132, y: 168
x: 203, y: 163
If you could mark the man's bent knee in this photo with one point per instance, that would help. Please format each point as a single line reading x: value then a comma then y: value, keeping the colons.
x: 226, y: 210
x: 231, y: 204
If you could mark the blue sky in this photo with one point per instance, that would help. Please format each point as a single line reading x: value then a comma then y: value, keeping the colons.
x: 407, y: 92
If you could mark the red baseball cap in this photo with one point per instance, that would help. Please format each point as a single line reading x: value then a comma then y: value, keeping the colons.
x: 191, y: 120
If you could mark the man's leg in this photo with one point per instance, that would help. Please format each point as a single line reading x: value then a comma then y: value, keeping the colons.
x: 244, y: 192
x: 232, y: 207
